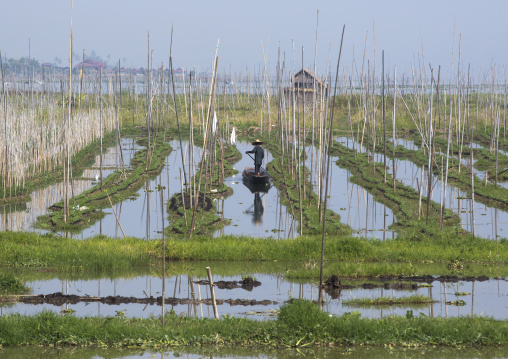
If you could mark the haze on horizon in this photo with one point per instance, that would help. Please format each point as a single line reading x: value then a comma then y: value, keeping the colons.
x: 250, y: 31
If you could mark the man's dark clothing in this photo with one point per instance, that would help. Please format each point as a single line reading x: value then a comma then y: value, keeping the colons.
x: 258, y: 157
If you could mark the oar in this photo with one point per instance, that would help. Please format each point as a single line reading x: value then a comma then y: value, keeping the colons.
x: 269, y: 175
x: 502, y: 171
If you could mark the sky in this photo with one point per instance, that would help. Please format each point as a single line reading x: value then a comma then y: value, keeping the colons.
x: 411, y: 33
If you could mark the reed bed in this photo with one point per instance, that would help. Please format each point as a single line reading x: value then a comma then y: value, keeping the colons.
x: 34, y: 139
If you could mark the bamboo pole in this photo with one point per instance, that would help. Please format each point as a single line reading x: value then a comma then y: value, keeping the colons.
x: 66, y: 124
x: 431, y: 149
x: 384, y: 110
x: 176, y: 107
x: 114, y: 212
x: 320, y: 298
x: 212, y: 292
x: 394, y: 132
x: 163, y: 257
x: 210, y: 104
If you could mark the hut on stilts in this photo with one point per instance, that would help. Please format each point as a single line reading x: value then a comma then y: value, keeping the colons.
x: 304, y: 83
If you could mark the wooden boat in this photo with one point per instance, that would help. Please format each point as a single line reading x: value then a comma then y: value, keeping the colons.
x: 249, y: 175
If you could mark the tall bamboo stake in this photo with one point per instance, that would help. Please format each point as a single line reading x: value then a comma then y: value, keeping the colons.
x: 66, y: 124
x: 431, y: 149
x: 383, y: 105
x: 210, y: 104
x: 394, y: 131
x: 4, y: 104
x: 320, y: 298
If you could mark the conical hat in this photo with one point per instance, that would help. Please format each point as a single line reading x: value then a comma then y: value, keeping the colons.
x: 257, y: 142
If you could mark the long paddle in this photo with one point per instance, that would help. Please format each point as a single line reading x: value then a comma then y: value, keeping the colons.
x: 269, y: 175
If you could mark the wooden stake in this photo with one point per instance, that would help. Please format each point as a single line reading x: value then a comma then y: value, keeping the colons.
x: 212, y: 291
x: 320, y: 298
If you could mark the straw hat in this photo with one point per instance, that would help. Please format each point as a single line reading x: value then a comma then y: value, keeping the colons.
x: 257, y: 142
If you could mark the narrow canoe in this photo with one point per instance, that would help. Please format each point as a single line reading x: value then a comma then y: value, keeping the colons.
x: 249, y: 175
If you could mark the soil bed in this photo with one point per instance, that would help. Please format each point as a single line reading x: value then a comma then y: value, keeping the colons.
x: 59, y: 298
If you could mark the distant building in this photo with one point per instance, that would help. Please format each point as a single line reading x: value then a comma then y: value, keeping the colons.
x: 304, y: 83
x: 90, y: 64
x: 178, y: 71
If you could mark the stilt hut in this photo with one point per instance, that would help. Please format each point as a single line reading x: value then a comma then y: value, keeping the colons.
x: 304, y: 83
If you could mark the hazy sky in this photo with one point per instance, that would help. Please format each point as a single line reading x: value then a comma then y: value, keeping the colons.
x: 118, y: 29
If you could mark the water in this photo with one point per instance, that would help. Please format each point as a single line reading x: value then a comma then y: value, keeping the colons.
x: 255, y: 214
x: 483, y: 298
x: 141, y: 215
x: 226, y: 352
x: 356, y: 206
x: 490, y: 223
x: 261, y: 214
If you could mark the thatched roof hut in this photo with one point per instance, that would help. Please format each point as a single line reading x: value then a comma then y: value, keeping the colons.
x: 304, y: 83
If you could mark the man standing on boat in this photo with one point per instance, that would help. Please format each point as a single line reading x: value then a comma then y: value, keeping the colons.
x: 258, y: 155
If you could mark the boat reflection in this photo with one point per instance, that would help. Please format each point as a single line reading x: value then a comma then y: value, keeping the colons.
x: 257, y: 208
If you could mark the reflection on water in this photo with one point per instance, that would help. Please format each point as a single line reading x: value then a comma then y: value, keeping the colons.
x: 252, y: 212
x: 489, y: 222
x: 141, y: 216
x: 356, y: 206
x: 259, y: 190
x: 114, y: 159
x: 255, y: 210
x: 15, y: 217
x: 484, y: 298
x: 226, y: 352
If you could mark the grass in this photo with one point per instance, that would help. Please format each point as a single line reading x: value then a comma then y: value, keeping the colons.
x: 299, y: 324
x: 11, y: 285
x: 348, y: 256
x: 30, y: 250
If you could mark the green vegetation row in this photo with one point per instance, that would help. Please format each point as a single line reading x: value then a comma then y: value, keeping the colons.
x: 83, y: 210
x: 289, y: 190
x: 207, y: 219
x: 299, y: 324
x: 349, y: 255
x: 487, y: 194
x: 404, y: 201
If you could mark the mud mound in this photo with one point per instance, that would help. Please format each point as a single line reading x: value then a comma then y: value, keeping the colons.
x: 60, y: 299
x: 205, y: 203
x: 247, y: 284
